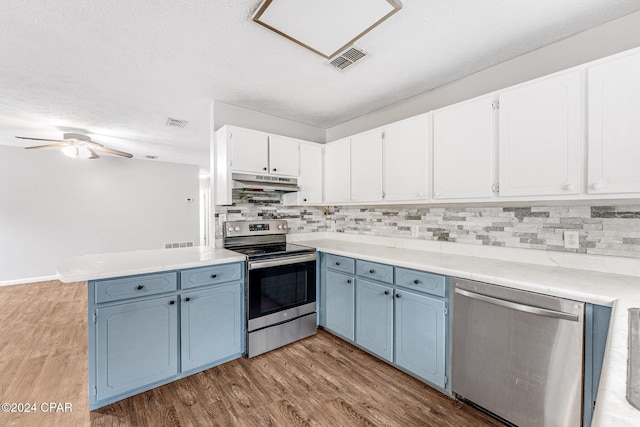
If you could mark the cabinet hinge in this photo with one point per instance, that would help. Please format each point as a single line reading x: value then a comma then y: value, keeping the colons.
x: 446, y: 311
x: 495, y: 104
x: 495, y: 188
x: 95, y: 390
x: 383, y: 195
x: 383, y: 135
x: 95, y: 317
x: 446, y: 380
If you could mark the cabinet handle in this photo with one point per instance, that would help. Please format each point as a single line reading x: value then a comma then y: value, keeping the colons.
x: 172, y: 302
x: 274, y: 169
x: 386, y: 292
x: 372, y: 271
x: 139, y: 287
x: 415, y: 282
x: 187, y: 299
x: 337, y: 262
x: 596, y: 186
x: 568, y: 187
x: 397, y: 295
x: 264, y: 169
x: 304, y: 200
x: 213, y: 276
x: 349, y: 281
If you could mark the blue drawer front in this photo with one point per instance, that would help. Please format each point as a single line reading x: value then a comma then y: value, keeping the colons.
x: 430, y: 283
x: 340, y: 263
x: 135, y: 286
x: 375, y: 271
x: 211, y: 275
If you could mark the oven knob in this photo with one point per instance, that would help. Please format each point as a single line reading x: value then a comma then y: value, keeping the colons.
x: 279, y: 227
x: 284, y: 226
x: 230, y: 229
x: 236, y: 228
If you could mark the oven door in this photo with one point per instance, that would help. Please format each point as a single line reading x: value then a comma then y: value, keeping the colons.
x: 281, y: 284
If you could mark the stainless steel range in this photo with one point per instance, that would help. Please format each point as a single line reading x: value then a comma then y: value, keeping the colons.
x: 281, y: 286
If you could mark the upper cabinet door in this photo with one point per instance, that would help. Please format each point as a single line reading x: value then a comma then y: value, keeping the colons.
x: 283, y: 156
x: 614, y: 126
x: 406, y: 160
x: 366, y: 167
x: 462, y: 150
x: 540, y: 137
x: 250, y: 150
x: 310, y: 173
x: 337, y: 170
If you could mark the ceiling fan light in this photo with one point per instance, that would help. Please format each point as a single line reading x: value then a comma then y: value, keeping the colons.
x: 83, y: 152
x: 70, y: 151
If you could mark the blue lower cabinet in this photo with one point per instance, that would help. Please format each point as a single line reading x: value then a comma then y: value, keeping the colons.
x: 339, y: 304
x: 137, y: 344
x: 374, y: 318
x: 211, y: 325
x: 420, y: 333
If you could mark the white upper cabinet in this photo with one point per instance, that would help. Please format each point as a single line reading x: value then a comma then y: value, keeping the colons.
x: 283, y: 156
x: 406, y: 163
x: 366, y: 167
x: 249, y: 150
x: 310, y: 173
x: 337, y: 171
x: 540, y: 137
x: 614, y: 125
x: 462, y: 150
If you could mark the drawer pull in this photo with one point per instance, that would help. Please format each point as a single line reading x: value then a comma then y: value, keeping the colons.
x: 213, y: 276
x: 139, y: 287
x: 337, y: 262
x: 386, y: 292
x: 397, y: 295
x: 415, y: 282
x: 349, y: 281
x: 172, y: 302
x: 372, y: 271
x: 187, y: 299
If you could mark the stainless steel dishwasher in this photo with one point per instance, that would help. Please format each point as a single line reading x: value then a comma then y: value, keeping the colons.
x: 518, y: 354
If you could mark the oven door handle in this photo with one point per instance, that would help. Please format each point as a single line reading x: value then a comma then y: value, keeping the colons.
x: 256, y: 265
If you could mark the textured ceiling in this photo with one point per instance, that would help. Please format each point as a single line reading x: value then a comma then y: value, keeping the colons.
x: 118, y: 69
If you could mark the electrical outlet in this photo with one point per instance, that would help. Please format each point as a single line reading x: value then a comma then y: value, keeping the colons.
x: 572, y: 239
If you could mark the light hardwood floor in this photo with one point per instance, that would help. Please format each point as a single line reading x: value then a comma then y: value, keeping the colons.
x: 320, y: 381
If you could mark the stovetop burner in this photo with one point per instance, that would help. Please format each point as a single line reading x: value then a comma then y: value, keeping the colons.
x: 275, y: 250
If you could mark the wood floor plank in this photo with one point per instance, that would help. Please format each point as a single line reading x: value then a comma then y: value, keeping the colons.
x: 322, y: 381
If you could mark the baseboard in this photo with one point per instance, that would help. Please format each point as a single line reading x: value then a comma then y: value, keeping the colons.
x: 29, y: 280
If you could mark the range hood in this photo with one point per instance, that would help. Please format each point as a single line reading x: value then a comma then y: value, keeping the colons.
x: 250, y: 182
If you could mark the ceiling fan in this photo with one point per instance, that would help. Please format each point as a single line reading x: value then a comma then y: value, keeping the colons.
x: 77, y: 146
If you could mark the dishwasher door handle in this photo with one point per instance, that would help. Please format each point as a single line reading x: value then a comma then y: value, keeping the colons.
x: 520, y: 307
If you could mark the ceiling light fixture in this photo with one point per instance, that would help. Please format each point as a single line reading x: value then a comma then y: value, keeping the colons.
x: 76, y: 152
x: 325, y: 27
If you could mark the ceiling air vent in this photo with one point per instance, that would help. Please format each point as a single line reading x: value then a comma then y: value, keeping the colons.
x: 347, y: 58
x: 175, y: 123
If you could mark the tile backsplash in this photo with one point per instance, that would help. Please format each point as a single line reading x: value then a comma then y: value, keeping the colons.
x: 604, y: 230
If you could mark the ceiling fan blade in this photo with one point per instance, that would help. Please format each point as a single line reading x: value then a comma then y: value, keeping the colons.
x: 41, y: 139
x: 112, y: 151
x: 94, y: 155
x: 60, y: 144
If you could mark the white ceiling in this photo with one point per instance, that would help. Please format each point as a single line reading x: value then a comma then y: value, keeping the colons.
x: 118, y: 69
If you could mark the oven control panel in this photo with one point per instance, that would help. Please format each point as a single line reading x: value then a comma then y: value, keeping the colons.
x: 255, y: 228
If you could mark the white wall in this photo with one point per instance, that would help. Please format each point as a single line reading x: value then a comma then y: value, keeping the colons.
x: 227, y: 114
x: 607, y: 39
x: 53, y: 207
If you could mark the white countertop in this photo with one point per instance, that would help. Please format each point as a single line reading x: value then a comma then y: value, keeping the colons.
x: 117, y: 264
x: 542, y: 274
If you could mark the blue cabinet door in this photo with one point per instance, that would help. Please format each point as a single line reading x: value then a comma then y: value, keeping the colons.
x: 420, y: 336
x: 211, y: 325
x: 136, y: 345
x: 339, y: 304
x: 374, y: 318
